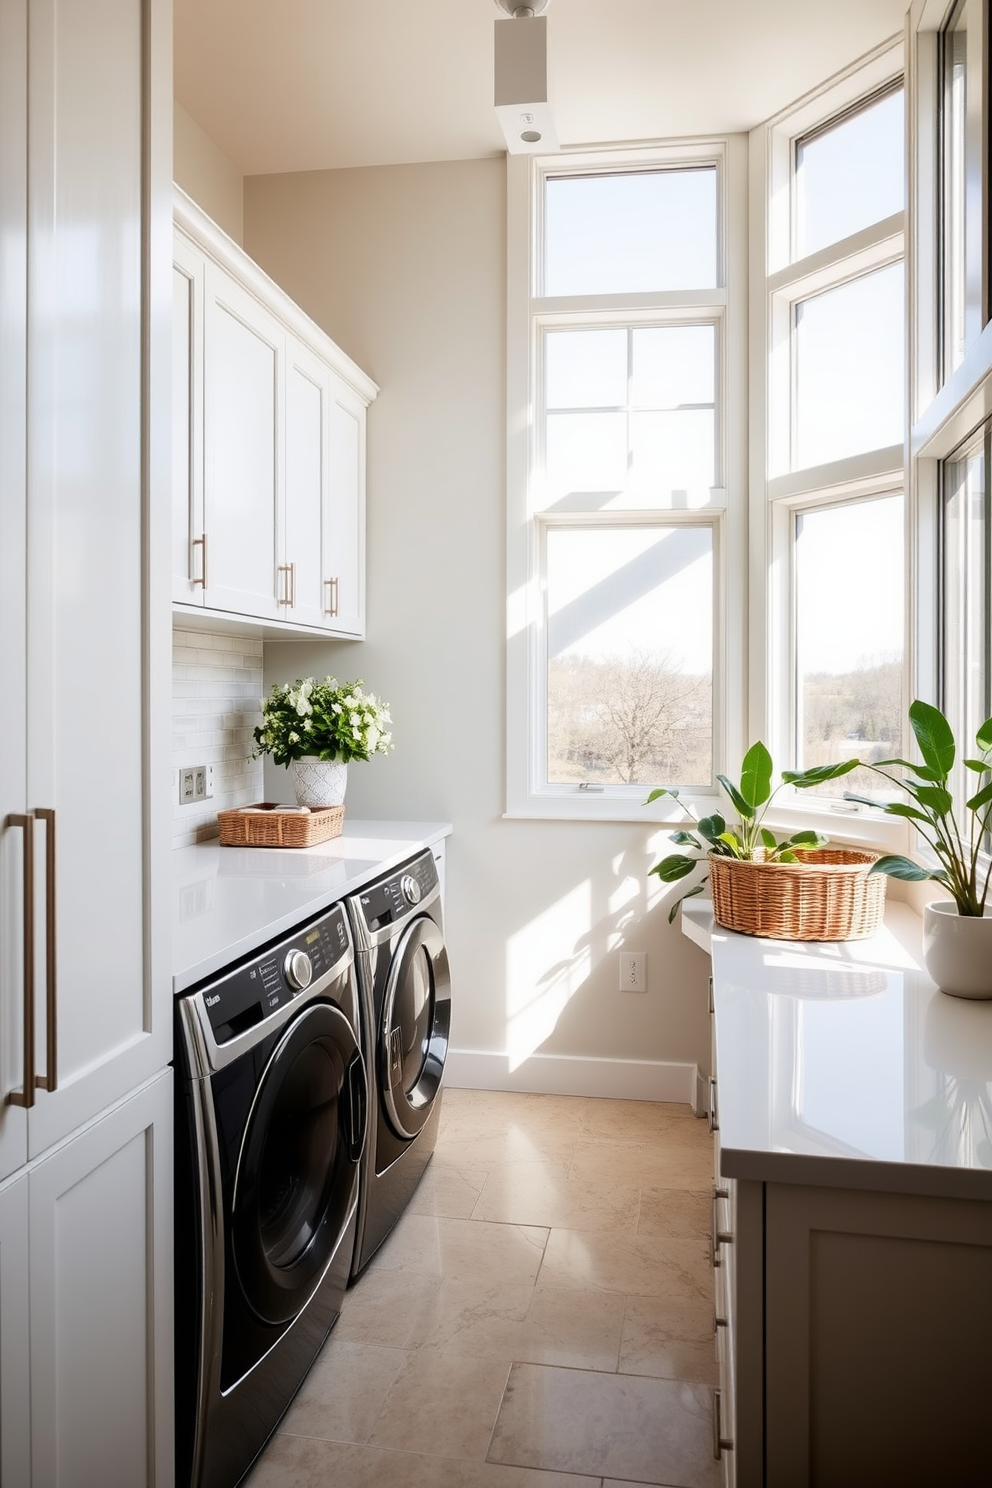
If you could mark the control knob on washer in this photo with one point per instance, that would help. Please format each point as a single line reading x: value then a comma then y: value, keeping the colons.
x: 298, y: 970
x: 411, y: 888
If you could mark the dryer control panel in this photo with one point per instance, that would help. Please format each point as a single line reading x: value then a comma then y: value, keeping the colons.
x: 250, y: 993
x: 397, y: 896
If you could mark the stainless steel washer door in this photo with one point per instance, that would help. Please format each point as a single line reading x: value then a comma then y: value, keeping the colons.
x: 297, y: 1177
x: 413, y: 1034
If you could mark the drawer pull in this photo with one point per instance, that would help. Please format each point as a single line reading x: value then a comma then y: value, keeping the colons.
x: 289, y: 569
x: 201, y: 542
x: 718, y: 1237
x: 721, y: 1443
x: 713, y: 1116
x: 331, y: 585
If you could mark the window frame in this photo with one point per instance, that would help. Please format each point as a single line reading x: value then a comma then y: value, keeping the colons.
x: 529, y: 315
x: 950, y: 405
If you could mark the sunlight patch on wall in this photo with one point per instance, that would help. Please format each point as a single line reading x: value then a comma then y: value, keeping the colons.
x: 546, y: 963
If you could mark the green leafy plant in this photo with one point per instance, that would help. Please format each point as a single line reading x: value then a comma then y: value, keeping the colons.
x: 956, y: 839
x: 750, y: 841
x: 331, y: 720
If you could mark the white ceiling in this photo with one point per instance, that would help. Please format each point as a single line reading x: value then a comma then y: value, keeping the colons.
x: 288, y: 85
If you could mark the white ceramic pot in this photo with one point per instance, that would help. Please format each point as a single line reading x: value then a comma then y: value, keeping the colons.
x: 957, y: 949
x: 319, y: 782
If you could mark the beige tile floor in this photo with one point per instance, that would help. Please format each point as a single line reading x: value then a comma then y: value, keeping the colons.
x: 541, y: 1317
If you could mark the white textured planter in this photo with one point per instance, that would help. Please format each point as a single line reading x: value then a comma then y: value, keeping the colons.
x: 319, y: 782
x: 957, y: 950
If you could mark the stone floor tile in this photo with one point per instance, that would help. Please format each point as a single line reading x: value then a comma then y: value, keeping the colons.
x: 639, y: 1430
x: 344, y: 1391
x: 674, y: 1212
x: 638, y: 1264
x: 443, y: 1404
x: 669, y: 1339
x: 463, y: 1249
x: 528, y: 1194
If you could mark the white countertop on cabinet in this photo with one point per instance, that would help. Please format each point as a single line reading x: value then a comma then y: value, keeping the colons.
x: 843, y: 1064
x: 227, y: 901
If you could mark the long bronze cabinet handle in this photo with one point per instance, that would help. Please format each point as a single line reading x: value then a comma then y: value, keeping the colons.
x: 49, y: 1080
x: 25, y: 1096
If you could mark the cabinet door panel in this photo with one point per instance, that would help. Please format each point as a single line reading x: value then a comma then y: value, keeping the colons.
x: 100, y: 1292
x: 307, y: 494
x: 13, y: 638
x: 345, y: 560
x: 243, y: 351
x: 15, y: 1337
x: 878, y: 1311
x: 87, y: 550
x: 188, y: 557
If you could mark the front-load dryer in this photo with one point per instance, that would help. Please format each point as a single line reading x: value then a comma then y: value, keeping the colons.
x: 406, y: 1013
x: 271, y: 1116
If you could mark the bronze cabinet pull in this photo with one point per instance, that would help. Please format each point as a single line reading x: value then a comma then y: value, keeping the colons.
x: 25, y: 1096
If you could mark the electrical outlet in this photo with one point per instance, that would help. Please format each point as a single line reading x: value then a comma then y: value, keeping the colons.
x: 633, y: 971
x: 196, y: 783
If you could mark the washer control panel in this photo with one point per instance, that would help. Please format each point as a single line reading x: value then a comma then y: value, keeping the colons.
x: 257, y: 988
x: 395, y: 897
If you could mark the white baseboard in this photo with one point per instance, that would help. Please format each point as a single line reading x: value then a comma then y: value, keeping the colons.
x: 564, y: 1074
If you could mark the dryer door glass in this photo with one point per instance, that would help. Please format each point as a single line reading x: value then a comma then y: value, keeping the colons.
x: 297, y: 1175
x: 413, y: 1036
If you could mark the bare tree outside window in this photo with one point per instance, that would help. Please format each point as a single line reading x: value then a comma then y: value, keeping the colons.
x: 628, y: 719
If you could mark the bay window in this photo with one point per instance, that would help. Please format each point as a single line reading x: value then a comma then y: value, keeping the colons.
x: 725, y: 527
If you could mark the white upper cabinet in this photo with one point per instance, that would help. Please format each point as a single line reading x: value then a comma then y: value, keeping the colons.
x: 85, y: 1006
x: 268, y: 447
x: 242, y: 481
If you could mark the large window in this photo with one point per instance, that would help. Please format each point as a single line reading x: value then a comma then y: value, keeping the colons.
x: 830, y: 625
x: 626, y: 501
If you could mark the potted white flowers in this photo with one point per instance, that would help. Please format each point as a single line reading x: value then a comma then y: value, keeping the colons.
x: 317, y: 728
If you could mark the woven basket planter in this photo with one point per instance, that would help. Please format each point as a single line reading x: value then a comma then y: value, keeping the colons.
x: 826, y: 896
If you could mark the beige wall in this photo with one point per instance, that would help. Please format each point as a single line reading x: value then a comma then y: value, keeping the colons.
x: 207, y: 175
x: 405, y: 267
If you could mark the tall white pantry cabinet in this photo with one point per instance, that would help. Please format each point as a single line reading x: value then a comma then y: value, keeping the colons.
x: 85, y: 997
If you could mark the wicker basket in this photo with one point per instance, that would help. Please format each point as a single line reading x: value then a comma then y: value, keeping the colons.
x: 826, y: 896
x: 264, y: 827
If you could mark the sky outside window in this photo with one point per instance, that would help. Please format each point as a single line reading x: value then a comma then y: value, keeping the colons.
x: 850, y: 347
x: 851, y: 174
x: 630, y: 232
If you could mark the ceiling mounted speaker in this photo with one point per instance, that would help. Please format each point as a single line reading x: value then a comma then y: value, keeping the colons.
x: 522, y: 92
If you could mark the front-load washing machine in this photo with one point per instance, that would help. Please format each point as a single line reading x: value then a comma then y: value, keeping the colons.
x: 406, y: 1013
x: 271, y: 1116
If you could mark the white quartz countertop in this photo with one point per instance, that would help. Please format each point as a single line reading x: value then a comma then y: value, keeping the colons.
x: 843, y: 1064
x: 227, y: 901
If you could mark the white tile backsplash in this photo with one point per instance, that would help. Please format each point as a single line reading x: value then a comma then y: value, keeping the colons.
x: 216, y: 688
